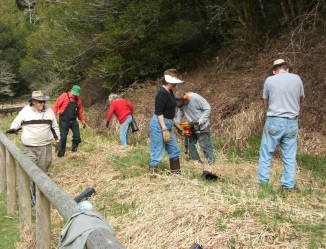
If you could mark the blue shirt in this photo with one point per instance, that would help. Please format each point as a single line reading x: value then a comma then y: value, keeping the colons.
x: 283, y: 92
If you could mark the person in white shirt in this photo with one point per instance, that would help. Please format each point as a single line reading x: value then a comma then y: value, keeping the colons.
x: 39, y: 128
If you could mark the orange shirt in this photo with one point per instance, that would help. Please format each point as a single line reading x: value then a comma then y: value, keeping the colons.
x: 62, y: 102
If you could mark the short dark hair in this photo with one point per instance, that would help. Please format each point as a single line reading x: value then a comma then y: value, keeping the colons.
x: 280, y: 66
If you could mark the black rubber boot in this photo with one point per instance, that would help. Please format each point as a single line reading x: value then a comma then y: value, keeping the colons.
x: 61, y: 153
x: 175, y: 166
x: 74, y: 147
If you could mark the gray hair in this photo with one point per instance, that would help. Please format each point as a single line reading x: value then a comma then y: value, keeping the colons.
x: 113, y: 96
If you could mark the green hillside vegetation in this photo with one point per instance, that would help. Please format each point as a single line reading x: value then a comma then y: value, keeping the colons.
x: 54, y: 44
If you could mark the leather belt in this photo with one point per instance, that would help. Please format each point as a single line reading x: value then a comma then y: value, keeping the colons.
x: 295, y: 118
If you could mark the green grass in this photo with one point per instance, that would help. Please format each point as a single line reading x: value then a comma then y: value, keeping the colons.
x: 313, y: 163
x: 133, y: 164
x: 9, y: 232
x: 252, y: 151
x: 115, y: 207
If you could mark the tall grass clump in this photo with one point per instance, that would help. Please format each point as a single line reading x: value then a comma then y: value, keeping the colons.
x: 237, y: 130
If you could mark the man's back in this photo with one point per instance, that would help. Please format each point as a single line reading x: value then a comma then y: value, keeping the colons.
x: 283, y: 92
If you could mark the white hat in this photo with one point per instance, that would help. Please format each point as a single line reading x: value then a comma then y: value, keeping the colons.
x: 172, y: 80
x: 280, y: 62
x: 39, y: 95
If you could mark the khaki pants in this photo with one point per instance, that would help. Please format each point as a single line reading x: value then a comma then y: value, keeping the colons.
x: 40, y: 155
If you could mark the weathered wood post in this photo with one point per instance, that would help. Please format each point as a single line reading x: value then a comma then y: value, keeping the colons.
x: 11, y: 183
x: 24, y: 198
x: 3, y: 175
x: 48, y: 191
x: 43, y: 221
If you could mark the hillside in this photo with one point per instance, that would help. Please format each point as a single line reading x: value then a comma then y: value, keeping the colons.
x: 232, y: 83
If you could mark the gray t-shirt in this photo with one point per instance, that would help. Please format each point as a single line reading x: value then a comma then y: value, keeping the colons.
x: 197, y: 109
x: 283, y: 92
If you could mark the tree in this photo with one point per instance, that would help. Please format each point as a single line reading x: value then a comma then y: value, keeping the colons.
x: 13, y: 32
x: 118, y: 42
x: 7, y: 78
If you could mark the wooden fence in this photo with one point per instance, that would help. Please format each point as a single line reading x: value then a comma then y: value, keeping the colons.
x: 16, y: 170
x: 10, y: 109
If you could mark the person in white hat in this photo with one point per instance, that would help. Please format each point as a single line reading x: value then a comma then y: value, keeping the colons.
x: 39, y: 128
x: 283, y: 92
x: 161, y: 135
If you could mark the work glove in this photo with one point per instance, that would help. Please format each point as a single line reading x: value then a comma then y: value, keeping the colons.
x: 166, y: 135
x: 179, y: 128
x: 12, y: 131
x: 58, y: 146
x: 84, y: 123
x: 107, y: 124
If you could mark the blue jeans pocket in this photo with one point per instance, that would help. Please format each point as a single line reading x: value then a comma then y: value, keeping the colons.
x: 273, y: 130
x: 293, y: 131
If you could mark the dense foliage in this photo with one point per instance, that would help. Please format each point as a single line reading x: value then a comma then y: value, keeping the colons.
x: 13, y: 33
x: 57, y: 43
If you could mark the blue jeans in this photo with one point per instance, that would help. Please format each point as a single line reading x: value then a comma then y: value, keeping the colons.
x: 205, y: 144
x: 283, y: 131
x: 124, y: 130
x: 158, y: 146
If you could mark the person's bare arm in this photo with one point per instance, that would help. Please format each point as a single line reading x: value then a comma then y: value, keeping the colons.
x: 161, y: 121
x: 266, y: 102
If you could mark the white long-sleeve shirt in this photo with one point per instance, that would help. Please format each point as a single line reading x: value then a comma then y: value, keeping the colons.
x: 38, y: 128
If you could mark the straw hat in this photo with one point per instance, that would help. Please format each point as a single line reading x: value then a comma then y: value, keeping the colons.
x: 280, y: 62
x: 38, y: 95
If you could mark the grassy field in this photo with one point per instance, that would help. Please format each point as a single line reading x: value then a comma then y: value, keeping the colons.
x: 176, y: 211
x: 9, y: 226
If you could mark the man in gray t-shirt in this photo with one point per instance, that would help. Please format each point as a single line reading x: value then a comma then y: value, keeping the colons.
x: 197, y: 110
x: 283, y: 92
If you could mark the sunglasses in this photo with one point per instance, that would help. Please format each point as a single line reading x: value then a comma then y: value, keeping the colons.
x: 41, y: 102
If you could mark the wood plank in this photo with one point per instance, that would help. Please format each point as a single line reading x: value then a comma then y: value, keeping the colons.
x: 11, y: 183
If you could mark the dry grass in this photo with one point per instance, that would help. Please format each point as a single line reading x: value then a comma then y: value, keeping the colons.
x: 175, y: 211
x: 238, y: 129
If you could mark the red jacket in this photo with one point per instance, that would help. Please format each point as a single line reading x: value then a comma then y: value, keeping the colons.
x: 121, y: 108
x: 62, y: 102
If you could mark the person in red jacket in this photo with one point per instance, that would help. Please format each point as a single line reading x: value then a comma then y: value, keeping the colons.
x: 69, y: 107
x: 123, y: 111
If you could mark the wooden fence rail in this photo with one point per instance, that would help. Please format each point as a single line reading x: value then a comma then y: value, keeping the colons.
x: 10, y: 109
x: 17, y: 168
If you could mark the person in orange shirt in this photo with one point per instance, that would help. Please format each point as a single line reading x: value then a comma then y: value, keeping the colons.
x: 69, y: 107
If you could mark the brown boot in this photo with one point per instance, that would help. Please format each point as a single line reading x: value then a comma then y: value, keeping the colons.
x: 152, y: 171
x: 175, y: 166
